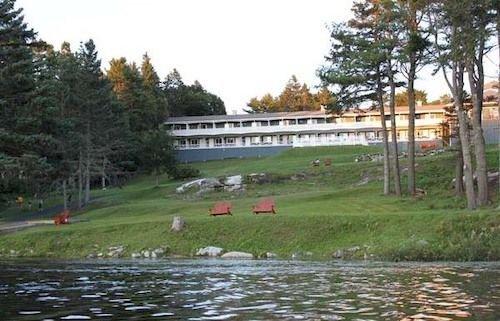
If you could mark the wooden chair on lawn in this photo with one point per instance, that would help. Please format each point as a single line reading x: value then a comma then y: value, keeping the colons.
x: 62, y: 218
x: 266, y: 205
x: 221, y: 208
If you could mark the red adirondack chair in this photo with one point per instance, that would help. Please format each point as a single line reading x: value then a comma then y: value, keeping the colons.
x: 221, y: 208
x: 62, y: 218
x: 266, y: 205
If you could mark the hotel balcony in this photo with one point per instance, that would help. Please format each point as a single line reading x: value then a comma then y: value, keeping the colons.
x: 296, y: 129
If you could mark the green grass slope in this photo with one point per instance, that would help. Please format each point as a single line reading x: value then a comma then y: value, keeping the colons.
x: 328, y: 209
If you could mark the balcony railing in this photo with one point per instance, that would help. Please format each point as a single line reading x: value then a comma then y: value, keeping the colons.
x: 333, y: 141
x: 296, y: 128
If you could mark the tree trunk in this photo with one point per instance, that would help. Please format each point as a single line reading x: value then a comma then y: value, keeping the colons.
x: 157, y: 180
x: 87, y: 166
x: 394, y: 137
x: 103, y: 174
x: 80, y: 181
x: 476, y: 87
x: 459, y: 171
x: 65, y: 195
x: 467, y: 158
x: 411, y: 126
x: 387, y: 173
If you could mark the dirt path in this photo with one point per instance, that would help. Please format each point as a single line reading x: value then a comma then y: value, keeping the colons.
x: 25, y: 220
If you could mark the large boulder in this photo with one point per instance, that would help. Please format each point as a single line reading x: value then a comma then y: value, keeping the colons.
x: 202, y: 184
x: 259, y: 178
x: 210, y: 251
x: 233, y: 183
x: 237, y: 255
x: 178, y: 224
x: 233, y: 180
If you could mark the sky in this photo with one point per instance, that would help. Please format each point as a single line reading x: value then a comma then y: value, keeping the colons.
x: 235, y: 49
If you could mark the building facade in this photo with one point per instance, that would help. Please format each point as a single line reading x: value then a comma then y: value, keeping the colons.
x: 202, y: 138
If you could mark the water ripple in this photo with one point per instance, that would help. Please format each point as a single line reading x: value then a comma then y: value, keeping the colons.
x: 248, y: 290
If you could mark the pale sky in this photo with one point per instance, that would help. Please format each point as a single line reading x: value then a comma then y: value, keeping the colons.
x: 236, y: 49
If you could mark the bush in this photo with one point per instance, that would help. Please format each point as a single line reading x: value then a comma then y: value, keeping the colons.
x: 183, y: 172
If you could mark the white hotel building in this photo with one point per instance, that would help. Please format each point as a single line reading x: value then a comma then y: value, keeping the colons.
x: 201, y: 138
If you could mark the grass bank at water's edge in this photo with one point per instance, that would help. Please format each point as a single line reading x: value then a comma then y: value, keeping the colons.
x: 327, y: 209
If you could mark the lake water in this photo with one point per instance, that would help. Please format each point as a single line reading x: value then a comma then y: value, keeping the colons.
x: 247, y: 290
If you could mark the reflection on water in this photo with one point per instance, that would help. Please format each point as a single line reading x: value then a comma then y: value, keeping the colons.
x: 247, y: 290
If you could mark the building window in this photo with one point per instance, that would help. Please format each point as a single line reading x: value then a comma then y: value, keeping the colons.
x: 292, y: 122
x: 359, y: 119
x: 182, y: 143
x: 247, y: 124
x: 243, y: 141
x: 267, y: 140
x: 387, y: 117
x: 193, y: 126
x: 218, y: 141
x: 207, y: 125
x: 264, y: 123
x: 207, y: 142
x: 255, y: 140
x: 193, y: 142
x: 320, y: 121
x: 274, y: 122
x: 179, y: 126
x: 220, y: 125
x: 302, y: 121
x: 229, y: 140
x: 419, y: 116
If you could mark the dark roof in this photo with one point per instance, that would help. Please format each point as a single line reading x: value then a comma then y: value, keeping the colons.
x: 239, y: 117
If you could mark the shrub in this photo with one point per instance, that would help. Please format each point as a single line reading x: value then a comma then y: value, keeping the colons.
x: 183, y: 172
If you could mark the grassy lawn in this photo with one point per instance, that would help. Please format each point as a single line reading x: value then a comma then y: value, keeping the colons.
x: 331, y: 208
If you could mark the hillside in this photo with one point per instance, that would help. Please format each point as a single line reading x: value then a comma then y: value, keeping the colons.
x: 321, y: 210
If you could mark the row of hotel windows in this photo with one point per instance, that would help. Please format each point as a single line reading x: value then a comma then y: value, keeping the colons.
x: 288, y: 139
x: 300, y: 121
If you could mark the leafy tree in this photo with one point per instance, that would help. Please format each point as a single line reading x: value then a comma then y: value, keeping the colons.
x: 446, y: 22
x: 477, y: 30
x: 264, y: 105
x: 156, y: 102
x: 290, y: 98
x: 355, y: 69
x: 415, y: 44
x: 294, y: 97
x: 117, y: 75
x: 157, y: 154
x: 401, y: 98
x: 190, y: 100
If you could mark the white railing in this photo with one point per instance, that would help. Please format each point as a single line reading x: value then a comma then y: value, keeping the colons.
x: 295, y: 128
x: 333, y: 141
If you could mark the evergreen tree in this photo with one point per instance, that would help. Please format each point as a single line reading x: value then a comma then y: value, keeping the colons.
x: 19, y: 137
x: 290, y: 97
x: 157, y: 153
x: 355, y: 68
x: 294, y: 97
x: 190, y: 100
x: 401, y: 98
x: 156, y: 104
